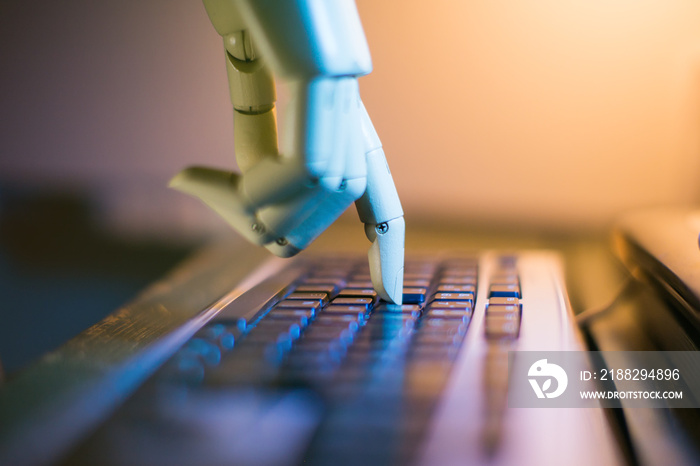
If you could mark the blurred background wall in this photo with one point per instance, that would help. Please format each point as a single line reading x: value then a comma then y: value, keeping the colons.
x: 555, y: 113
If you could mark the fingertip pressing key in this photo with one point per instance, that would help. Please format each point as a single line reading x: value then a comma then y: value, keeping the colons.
x: 386, y: 259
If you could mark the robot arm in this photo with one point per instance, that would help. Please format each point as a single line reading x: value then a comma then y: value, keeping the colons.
x: 330, y: 154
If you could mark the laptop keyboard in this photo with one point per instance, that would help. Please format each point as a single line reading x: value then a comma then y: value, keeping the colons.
x: 323, y: 372
x: 379, y: 368
x: 331, y: 329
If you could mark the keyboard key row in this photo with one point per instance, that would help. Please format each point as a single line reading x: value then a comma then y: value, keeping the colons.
x: 503, y: 310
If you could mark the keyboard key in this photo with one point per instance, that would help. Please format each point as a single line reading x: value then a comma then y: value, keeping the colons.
x: 297, y: 304
x: 358, y: 293
x: 344, y: 335
x: 416, y: 283
x: 322, y: 298
x: 504, y: 300
x: 414, y: 295
x: 349, y: 321
x: 465, y: 317
x: 300, y: 318
x: 442, y: 296
x: 504, y: 291
x: 453, y: 305
x: 291, y: 313
x: 503, y: 309
x: 269, y: 330
x: 367, y: 342
x: 388, y: 322
x: 358, y: 312
x: 387, y: 310
x: 502, y: 326
x: 345, y: 301
x: 448, y: 288
x: 458, y: 281
x: 441, y: 325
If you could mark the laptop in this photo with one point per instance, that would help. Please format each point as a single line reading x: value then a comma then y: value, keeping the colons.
x: 238, y: 357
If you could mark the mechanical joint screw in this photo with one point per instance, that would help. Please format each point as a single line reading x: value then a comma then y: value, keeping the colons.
x: 382, y: 228
x: 258, y: 228
x: 282, y: 241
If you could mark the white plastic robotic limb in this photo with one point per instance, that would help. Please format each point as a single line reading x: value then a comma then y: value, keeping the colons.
x: 331, y: 155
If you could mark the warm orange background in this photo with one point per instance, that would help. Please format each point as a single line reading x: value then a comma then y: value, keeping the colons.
x: 552, y: 113
x: 548, y: 111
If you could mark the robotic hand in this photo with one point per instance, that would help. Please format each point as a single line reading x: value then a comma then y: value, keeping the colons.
x: 331, y: 155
